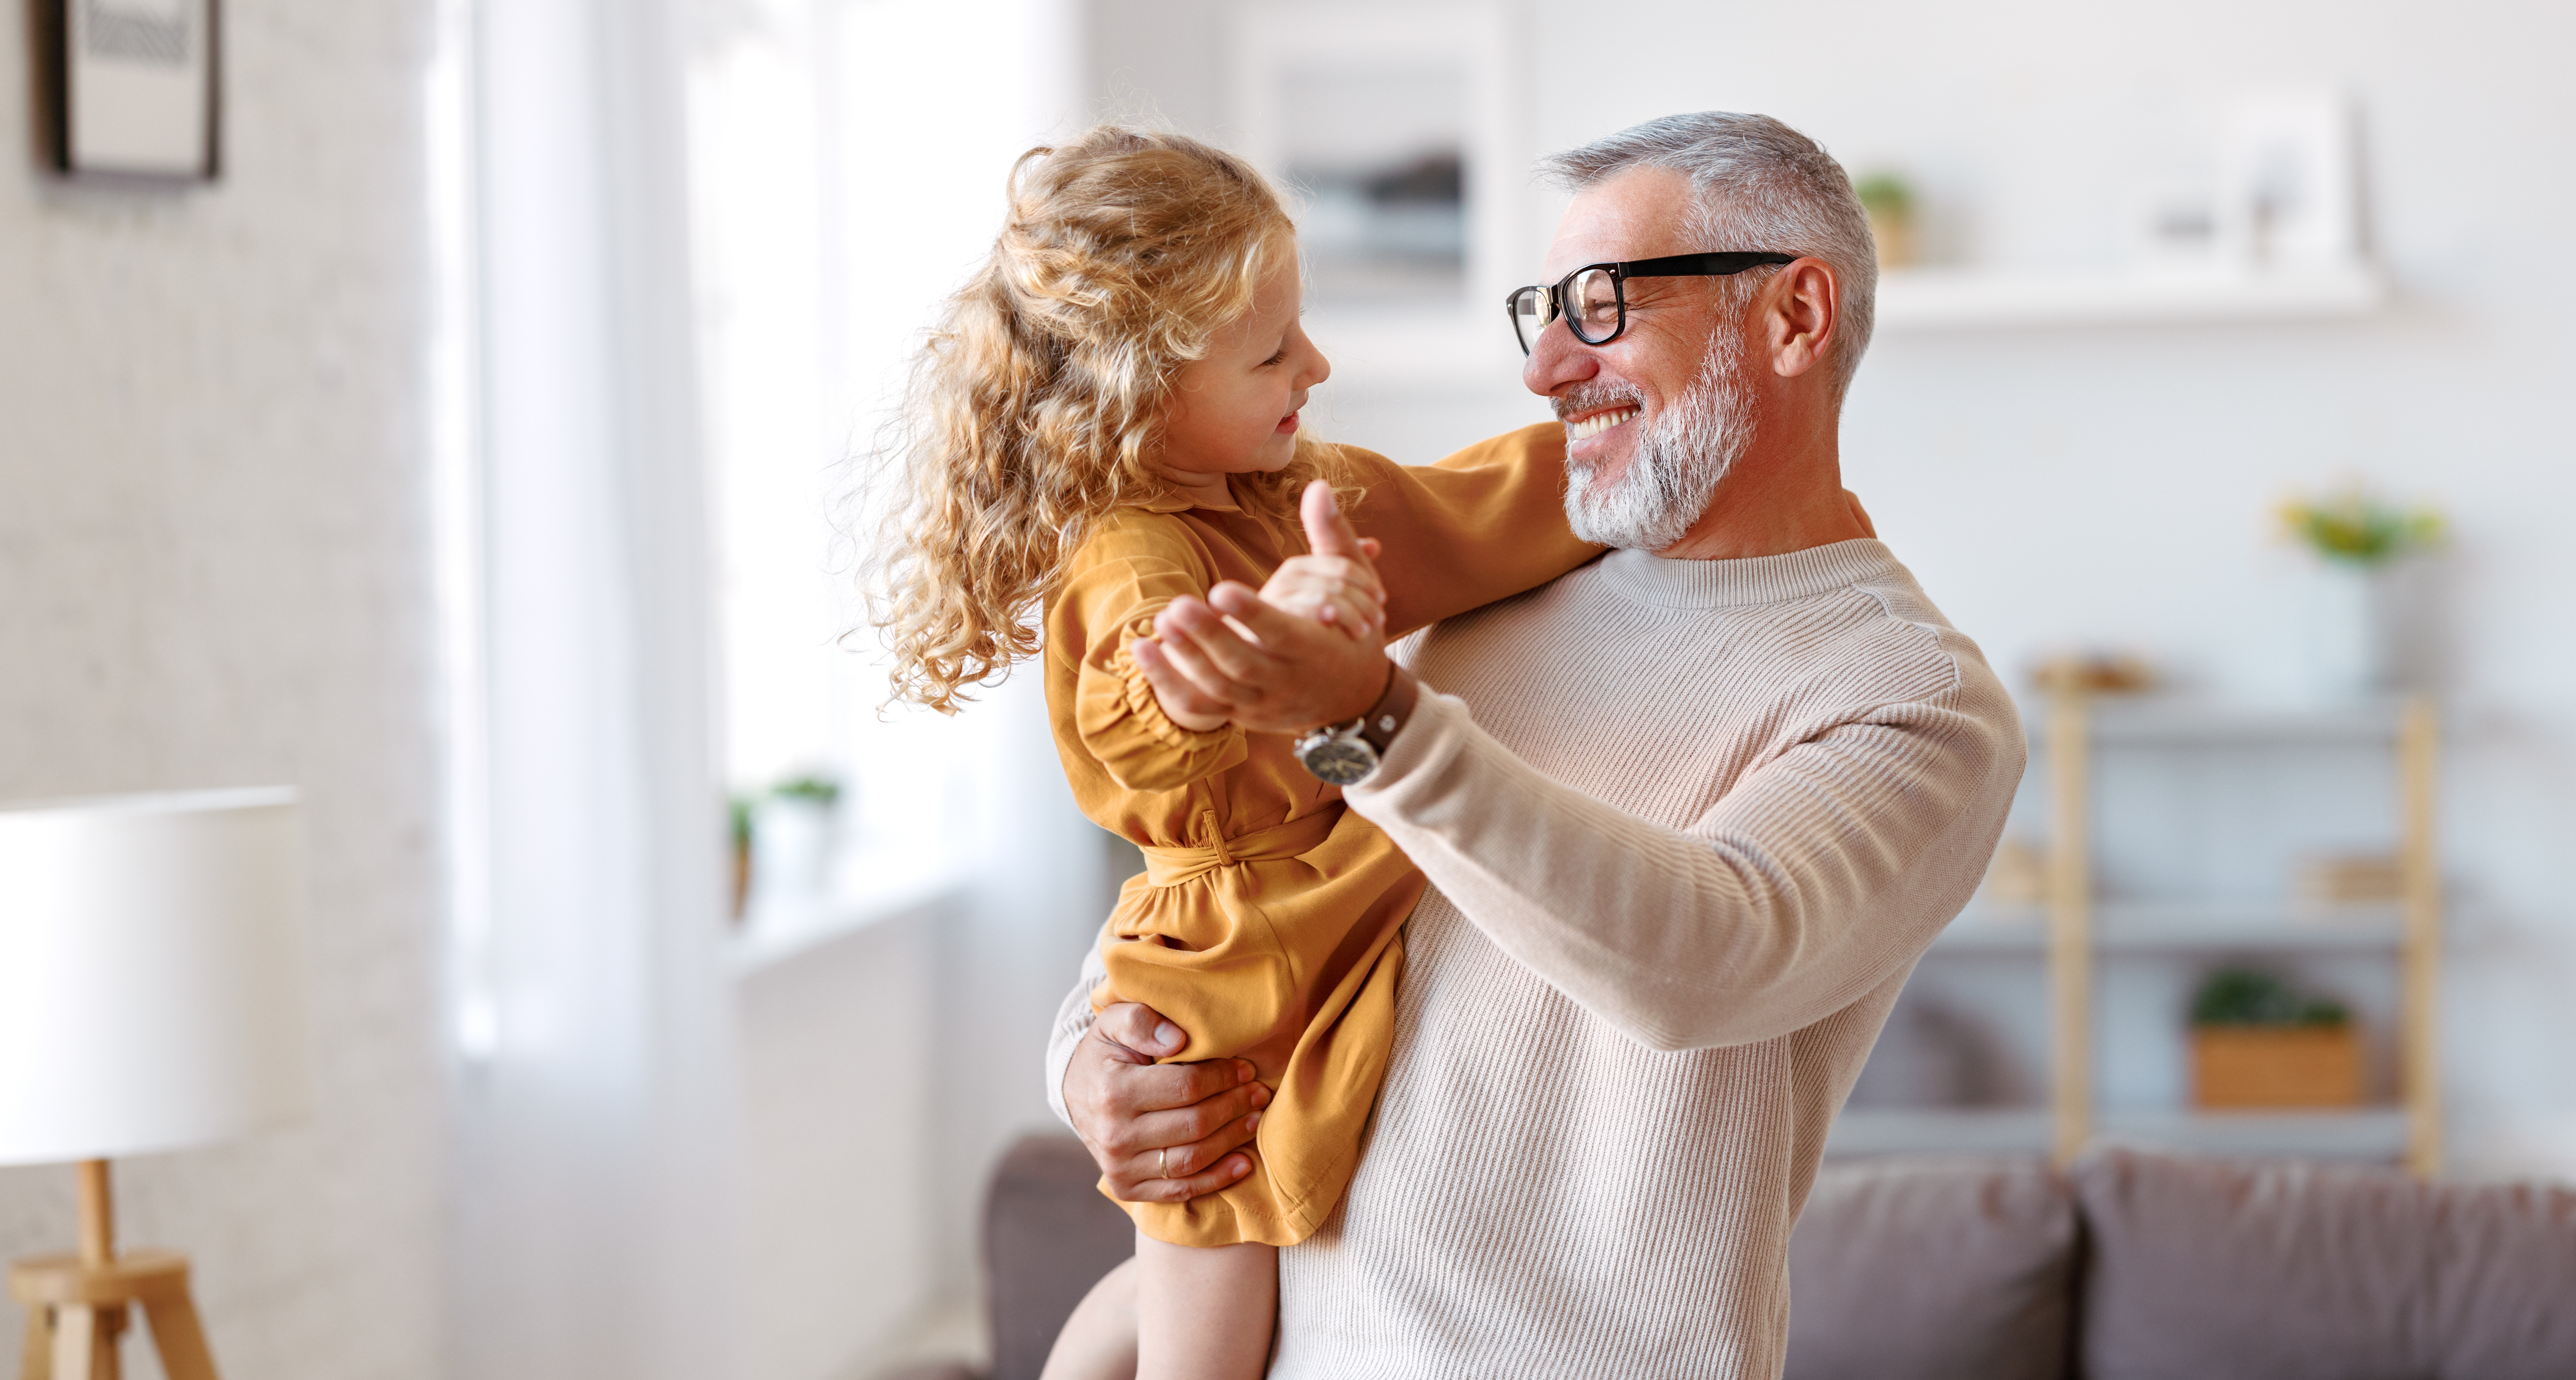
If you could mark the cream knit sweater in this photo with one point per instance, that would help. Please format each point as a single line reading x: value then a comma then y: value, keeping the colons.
x: 1688, y: 826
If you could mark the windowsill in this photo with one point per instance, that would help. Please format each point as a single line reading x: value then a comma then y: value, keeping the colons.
x: 880, y: 885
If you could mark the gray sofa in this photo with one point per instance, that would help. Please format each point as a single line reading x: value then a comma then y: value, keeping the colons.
x: 2133, y: 1266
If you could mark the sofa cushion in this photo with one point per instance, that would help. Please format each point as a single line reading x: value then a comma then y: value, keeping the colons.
x: 1049, y: 1236
x: 2504, y: 1303
x: 2283, y: 1270
x: 2264, y: 1270
x: 1933, y: 1269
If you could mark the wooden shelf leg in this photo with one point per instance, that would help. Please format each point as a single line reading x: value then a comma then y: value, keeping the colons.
x: 2420, y: 1050
x: 2070, y: 925
x: 181, y: 1340
x: 36, y: 1359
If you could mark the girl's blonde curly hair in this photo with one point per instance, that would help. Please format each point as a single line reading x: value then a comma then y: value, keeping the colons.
x: 1037, y: 404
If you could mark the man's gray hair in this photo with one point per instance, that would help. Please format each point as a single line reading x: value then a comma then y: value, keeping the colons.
x: 1757, y: 185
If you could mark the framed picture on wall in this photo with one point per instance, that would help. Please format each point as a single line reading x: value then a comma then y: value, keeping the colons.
x: 130, y: 88
x: 1395, y: 132
x: 1390, y: 126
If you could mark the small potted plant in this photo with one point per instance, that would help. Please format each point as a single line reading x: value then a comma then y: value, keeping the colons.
x: 791, y: 838
x: 2358, y: 539
x: 2257, y: 1043
x: 1888, y: 200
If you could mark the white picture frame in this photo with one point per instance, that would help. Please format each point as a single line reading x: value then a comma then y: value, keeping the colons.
x: 133, y: 90
x: 1420, y: 81
x: 2290, y: 182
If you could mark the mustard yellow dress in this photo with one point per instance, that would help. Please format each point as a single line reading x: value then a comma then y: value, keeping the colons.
x: 1265, y: 923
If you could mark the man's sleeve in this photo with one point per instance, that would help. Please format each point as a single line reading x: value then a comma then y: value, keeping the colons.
x: 1821, y: 874
x: 1072, y: 1022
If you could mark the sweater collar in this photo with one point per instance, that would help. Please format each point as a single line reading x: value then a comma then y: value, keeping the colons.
x: 1651, y: 579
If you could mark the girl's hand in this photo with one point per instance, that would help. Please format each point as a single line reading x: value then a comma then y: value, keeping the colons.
x: 1335, y: 591
x: 1182, y: 704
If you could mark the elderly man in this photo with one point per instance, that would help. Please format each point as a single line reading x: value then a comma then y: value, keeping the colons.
x: 1690, y: 814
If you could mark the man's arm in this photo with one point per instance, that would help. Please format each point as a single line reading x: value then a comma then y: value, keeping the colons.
x: 1819, y: 876
x: 1161, y: 1133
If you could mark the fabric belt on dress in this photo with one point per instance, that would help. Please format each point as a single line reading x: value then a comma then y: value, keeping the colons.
x: 1173, y: 866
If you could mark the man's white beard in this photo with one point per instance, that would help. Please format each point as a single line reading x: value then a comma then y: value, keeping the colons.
x: 1675, y: 466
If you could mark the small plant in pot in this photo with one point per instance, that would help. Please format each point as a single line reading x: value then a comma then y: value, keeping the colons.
x: 792, y: 839
x: 1888, y: 200
x: 2358, y: 539
x: 2257, y: 1042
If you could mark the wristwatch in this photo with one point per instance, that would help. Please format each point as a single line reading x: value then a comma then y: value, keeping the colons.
x: 1346, y: 754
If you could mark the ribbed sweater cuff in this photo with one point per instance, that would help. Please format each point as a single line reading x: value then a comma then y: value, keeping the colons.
x: 1432, y: 727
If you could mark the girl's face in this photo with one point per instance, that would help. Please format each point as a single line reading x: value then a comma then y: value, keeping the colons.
x: 1234, y: 410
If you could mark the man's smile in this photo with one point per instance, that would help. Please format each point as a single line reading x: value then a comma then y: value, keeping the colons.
x: 1584, y: 428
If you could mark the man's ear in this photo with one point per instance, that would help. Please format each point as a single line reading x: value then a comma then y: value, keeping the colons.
x: 1802, y: 306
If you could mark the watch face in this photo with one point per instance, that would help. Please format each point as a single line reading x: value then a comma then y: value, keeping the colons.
x: 1340, y: 761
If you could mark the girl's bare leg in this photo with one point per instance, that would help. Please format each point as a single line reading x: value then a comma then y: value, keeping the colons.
x: 1099, y: 1341
x: 1204, y: 1312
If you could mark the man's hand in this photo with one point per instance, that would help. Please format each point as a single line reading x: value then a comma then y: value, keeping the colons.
x: 1268, y: 670
x: 1162, y: 1133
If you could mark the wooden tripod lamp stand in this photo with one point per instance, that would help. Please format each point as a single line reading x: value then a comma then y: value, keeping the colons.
x: 151, y: 998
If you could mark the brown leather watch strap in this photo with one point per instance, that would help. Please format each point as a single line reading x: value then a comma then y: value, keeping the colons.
x: 1387, y: 717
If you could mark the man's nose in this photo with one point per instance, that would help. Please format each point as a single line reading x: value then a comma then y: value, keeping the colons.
x: 1556, y: 359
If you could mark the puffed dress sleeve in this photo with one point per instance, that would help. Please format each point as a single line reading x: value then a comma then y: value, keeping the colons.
x: 1134, y: 565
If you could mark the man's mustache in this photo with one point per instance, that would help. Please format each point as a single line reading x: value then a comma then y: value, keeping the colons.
x: 1592, y: 397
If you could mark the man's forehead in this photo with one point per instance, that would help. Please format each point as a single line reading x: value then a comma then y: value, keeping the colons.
x: 1638, y: 214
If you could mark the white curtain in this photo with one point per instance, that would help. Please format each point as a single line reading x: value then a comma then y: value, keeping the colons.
x: 592, y: 1221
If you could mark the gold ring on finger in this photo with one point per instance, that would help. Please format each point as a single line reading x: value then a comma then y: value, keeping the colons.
x: 1162, y: 1164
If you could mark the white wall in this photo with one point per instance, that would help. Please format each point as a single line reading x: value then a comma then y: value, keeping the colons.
x: 212, y: 571
x: 2114, y: 486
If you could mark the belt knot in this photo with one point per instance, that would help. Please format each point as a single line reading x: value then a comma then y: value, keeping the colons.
x: 1175, y: 865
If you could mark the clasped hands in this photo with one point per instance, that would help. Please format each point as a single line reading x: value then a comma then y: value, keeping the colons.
x: 1308, y: 648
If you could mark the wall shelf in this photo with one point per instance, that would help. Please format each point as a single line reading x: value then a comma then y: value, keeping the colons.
x: 1939, y: 1131
x: 2364, y: 1133
x: 1936, y: 299
x: 2173, y: 721
x: 2150, y: 928
x: 2367, y: 1133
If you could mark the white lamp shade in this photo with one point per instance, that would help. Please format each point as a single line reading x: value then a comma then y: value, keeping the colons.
x: 152, y: 973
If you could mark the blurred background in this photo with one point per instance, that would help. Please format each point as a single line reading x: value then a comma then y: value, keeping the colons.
x: 473, y: 451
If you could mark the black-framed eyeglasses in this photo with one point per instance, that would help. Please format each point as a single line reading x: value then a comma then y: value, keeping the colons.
x: 1593, y: 299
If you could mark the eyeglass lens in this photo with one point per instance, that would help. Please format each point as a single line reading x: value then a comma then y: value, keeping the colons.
x: 1529, y: 315
x: 1592, y: 301
x: 1590, y: 297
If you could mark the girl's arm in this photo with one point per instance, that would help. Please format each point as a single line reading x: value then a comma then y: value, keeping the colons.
x: 1484, y: 524
x: 1125, y: 574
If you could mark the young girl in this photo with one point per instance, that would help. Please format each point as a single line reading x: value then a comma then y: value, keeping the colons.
x: 1106, y: 421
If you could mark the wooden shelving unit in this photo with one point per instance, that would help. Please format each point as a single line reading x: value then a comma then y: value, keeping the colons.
x: 2077, y: 932
x: 2079, y: 929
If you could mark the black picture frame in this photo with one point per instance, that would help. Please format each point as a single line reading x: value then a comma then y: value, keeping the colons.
x: 129, y: 90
